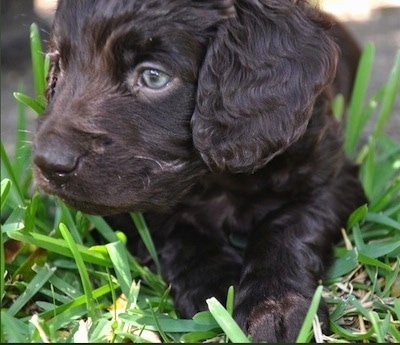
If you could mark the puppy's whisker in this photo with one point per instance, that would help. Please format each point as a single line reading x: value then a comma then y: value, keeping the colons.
x: 165, y: 165
x: 26, y: 144
x: 152, y: 160
x: 146, y: 183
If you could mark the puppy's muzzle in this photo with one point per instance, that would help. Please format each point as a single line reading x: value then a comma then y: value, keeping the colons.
x: 56, y: 160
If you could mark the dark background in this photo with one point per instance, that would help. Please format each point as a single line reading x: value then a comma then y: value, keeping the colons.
x: 369, y: 20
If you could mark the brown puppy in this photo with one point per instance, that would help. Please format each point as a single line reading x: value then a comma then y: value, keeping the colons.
x: 213, y: 118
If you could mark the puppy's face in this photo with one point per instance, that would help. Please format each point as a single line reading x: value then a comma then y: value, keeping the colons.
x: 116, y: 134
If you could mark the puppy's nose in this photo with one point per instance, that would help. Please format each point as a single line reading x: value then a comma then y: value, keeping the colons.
x: 56, y: 160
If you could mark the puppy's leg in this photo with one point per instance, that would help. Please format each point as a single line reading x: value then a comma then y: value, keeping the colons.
x: 282, y: 269
x: 287, y: 255
x: 198, y: 265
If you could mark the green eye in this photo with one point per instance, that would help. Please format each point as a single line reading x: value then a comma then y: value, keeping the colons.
x: 154, y: 79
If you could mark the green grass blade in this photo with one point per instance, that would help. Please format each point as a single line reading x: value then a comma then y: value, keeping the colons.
x: 9, y: 172
x: 305, y: 329
x: 397, y: 307
x: 383, y: 220
x: 198, y: 337
x: 5, y: 189
x: 68, y: 289
x: 32, y: 103
x: 77, y: 302
x: 2, y: 268
x: 353, y: 122
x: 343, y: 265
x: 368, y: 169
x: 37, y: 58
x: 159, y: 329
x: 230, y: 300
x: 367, y: 260
x: 384, y: 200
x: 357, y: 216
x: 381, y: 249
x: 60, y: 246
x: 102, y: 227
x: 394, y: 330
x: 226, y: 322
x: 337, y: 313
x: 144, y: 233
x: 68, y: 220
x: 119, y: 258
x: 205, y: 318
x: 165, y: 322
x: 33, y: 287
x: 376, y: 324
x: 22, y: 146
x: 359, y: 307
x: 350, y: 335
x: 131, y: 303
x: 15, y: 220
x: 338, y: 106
x: 391, y: 279
x: 15, y: 331
x: 84, y: 275
x: 392, y: 91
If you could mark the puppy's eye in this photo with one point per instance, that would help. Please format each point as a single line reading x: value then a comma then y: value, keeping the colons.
x: 154, y: 79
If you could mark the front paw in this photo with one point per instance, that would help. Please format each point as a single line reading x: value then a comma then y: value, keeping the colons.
x: 277, y: 320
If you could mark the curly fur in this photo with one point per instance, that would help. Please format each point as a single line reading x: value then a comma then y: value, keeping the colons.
x: 240, y: 144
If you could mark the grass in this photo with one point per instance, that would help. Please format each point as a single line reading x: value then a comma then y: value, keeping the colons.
x: 61, y: 285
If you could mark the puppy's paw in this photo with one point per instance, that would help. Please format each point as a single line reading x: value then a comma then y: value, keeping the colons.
x: 279, y: 320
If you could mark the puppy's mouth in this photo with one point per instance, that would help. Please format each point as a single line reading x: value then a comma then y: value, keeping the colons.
x: 80, y: 201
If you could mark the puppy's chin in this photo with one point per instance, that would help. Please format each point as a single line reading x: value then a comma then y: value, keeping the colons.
x: 97, y: 200
x: 95, y: 209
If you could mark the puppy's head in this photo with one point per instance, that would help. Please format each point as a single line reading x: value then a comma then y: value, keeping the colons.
x: 116, y: 133
x: 145, y: 97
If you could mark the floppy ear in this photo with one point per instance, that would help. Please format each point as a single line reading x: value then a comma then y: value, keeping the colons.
x: 259, y: 81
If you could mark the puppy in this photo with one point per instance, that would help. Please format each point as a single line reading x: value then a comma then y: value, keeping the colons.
x: 213, y: 118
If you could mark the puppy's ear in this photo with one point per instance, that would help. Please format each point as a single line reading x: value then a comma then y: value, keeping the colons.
x: 259, y: 81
